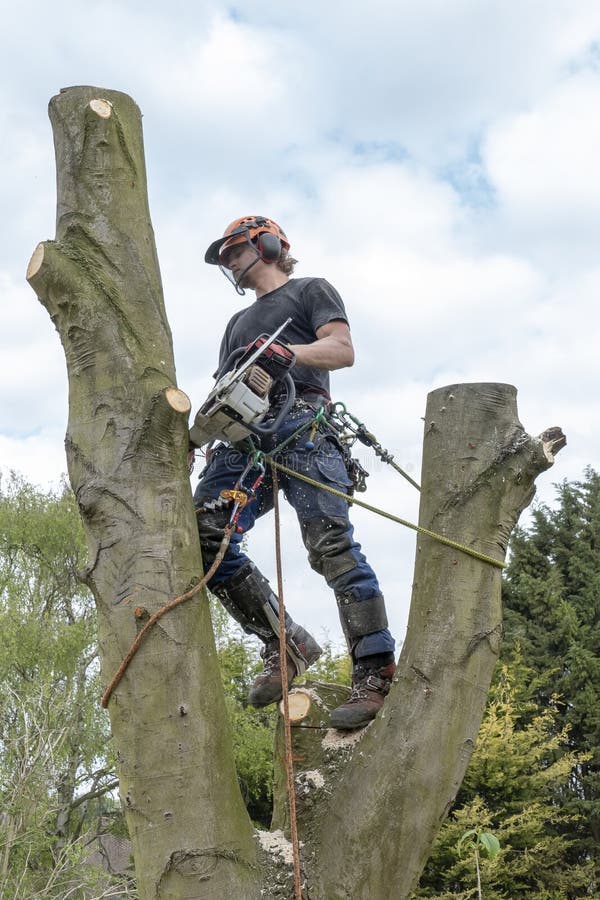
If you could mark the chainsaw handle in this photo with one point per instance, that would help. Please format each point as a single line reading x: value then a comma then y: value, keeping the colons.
x: 228, y: 364
x: 262, y: 430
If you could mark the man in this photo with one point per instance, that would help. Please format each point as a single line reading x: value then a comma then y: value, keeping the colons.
x: 254, y: 254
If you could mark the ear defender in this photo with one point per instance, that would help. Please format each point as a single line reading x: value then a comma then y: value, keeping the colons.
x: 269, y: 246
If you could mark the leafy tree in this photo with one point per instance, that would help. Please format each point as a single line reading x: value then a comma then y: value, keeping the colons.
x: 57, y: 774
x: 55, y: 765
x: 552, y: 602
x: 509, y: 790
x: 253, y: 729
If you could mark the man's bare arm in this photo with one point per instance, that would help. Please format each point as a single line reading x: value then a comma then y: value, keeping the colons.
x: 332, y: 350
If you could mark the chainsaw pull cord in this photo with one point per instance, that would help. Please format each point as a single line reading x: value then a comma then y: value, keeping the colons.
x: 289, y: 757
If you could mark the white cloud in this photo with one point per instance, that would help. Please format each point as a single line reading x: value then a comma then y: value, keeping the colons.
x: 33, y: 385
x: 227, y: 73
x: 545, y: 165
x: 39, y: 457
x: 438, y: 163
x: 431, y: 76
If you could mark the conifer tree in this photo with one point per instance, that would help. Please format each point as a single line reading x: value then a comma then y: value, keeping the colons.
x: 508, y: 791
x: 552, y: 610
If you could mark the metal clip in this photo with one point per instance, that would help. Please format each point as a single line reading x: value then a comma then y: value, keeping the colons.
x: 240, y: 498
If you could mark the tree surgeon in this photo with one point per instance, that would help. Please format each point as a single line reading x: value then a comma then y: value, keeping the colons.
x: 254, y: 253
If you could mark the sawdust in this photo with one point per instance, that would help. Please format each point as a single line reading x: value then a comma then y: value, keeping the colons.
x: 342, y: 740
x: 313, y: 778
x: 275, y: 842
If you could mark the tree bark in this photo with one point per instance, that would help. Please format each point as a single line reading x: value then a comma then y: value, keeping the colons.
x: 386, y: 804
x: 372, y: 801
x: 126, y: 445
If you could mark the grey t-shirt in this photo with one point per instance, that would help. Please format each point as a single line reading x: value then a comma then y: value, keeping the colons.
x: 311, y: 303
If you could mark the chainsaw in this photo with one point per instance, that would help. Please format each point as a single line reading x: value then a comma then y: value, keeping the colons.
x: 239, y: 401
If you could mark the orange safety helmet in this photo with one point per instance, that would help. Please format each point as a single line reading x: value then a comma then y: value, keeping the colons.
x: 265, y: 235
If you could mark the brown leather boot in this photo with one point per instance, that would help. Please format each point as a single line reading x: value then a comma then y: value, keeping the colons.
x: 267, y: 687
x: 370, y: 687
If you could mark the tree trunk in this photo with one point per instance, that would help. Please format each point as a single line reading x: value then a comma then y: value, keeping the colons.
x: 374, y: 800
x: 126, y: 447
x: 386, y: 804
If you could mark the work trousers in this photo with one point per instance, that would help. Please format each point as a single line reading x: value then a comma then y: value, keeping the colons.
x: 324, y: 522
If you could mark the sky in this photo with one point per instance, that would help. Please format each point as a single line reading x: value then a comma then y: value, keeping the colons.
x: 438, y: 162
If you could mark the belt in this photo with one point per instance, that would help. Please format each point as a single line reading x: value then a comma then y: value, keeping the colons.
x: 307, y: 392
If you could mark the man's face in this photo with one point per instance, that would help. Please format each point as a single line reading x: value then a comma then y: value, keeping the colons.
x: 238, y: 258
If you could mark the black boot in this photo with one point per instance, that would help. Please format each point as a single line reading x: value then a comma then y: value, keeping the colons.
x: 268, y: 686
x: 371, y: 682
x: 248, y: 597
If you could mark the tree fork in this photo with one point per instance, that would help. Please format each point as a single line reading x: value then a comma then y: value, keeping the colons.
x: 126, y: 445
x: 376, y: 808
x: 370, y: 813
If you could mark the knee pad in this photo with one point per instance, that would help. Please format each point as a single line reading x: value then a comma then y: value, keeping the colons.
x: 248, y: 597
x: 212, y: 517
x: 361, y: 617
x: 329, y: 545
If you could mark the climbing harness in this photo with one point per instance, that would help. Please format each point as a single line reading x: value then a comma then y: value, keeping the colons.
x: 241, y: 496
x: 353, y: 428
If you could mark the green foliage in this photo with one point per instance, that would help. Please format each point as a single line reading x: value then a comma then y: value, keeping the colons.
x: 552, y: 603
x: 332, y: 667
x: 535, y: 775
x: 252, y: 729
x: 509, y: 792
x: 54, y: 766
x: 481, y: 840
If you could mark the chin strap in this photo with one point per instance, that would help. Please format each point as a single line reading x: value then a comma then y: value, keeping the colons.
x: 236, y: 282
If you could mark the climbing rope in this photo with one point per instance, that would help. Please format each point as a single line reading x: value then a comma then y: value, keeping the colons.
x: 289, y: 756
x: 240, y: 497
x: 162, y: 611
x: 360, y: 433
x: 476, y: 554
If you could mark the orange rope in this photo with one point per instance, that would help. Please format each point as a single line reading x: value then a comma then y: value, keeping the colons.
x: 289, y: 759
x: 161, y: 612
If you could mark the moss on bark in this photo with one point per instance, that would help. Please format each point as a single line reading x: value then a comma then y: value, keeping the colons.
x: 126, y: 453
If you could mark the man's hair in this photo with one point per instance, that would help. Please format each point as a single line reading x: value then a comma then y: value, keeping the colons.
x: 286, y: 263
